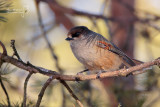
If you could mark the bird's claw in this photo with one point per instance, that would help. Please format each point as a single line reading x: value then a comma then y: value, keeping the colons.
x: 81, y: 73
x: 99, y: 73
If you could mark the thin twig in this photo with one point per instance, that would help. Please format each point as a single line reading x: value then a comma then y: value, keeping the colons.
x: 14, y: 50
x: 25, y: 88
x: 51, y: 48
x: 4, y: 53
x: 5, y: 91
x: 43, y: 90
x: 47, y: 40
x: 1, y: 82
x: 4, y: 48
x: 71, y: 92
x: 154, y: 26
x: 47, y: 30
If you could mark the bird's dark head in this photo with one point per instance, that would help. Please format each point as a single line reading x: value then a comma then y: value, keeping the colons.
x: 76, y: 32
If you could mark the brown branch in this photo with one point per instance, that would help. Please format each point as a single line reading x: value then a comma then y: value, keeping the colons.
x: 122, y: 72
x: 60, y: 16
x: 25, y: 88
x: 75, y: 12
x: 51, y: 48
x: 4, y: 53
x: 1, y: 82
x: 51, y: 27
x: 14, y: 50
x: 47, y: 40
x: 4, y: 49
x: 71, y: 92
x: 61, y: 9
x: 61, y: 13
x: 43, y: 90
x: 5, y: 91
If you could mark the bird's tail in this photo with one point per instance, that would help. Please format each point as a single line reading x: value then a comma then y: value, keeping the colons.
x: 137, y: 62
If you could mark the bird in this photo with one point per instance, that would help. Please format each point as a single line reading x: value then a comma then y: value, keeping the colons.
x: 95, y: 52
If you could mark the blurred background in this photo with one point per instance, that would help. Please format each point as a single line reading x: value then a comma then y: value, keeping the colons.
x: 133, y: 25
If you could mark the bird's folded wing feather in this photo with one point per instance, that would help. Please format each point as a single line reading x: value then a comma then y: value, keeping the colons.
x: 113, y: 48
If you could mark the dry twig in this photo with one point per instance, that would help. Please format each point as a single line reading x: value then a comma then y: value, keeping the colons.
x: 1, y: 82
x: 47, y: 40
x: 43, y: 90
x: 50, y: 48
x: 14, y: 50
x: 25, y: 88
x: 5, y: 91
x: 71, y: 92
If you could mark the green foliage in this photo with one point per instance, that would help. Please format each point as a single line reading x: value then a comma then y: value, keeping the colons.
x: 4, y: 71
x: 4, y: 6
x: 18, y: 104
x: 38, y: 84
x: 140, y: 102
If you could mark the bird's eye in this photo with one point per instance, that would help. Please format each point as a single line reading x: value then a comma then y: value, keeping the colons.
x: 76, y: 34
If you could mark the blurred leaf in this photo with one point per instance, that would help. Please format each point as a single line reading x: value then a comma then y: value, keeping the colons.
x: 4, y: 4
x: 140, y: 102
x: 39, y: 84
x: 4, y: 7
x: 4, y: 71
x: 5, y: 79
x: 4, y: 11
x: 3, y: 19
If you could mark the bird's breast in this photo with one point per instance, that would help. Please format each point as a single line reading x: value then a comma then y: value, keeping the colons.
x: 95, y: 58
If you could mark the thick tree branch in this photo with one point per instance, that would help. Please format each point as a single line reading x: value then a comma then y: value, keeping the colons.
x: 31, y: 68
x: 122, y: 72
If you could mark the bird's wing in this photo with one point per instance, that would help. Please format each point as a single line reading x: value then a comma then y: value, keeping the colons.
x: 113, y: 48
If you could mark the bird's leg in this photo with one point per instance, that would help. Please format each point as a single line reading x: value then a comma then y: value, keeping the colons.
x: 79, y: 73
x: 98, y: 74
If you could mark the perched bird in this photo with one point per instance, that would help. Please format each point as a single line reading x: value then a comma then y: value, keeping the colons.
x: 95, y: 52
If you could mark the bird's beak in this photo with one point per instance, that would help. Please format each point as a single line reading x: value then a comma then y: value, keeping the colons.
x: 69, y: 38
